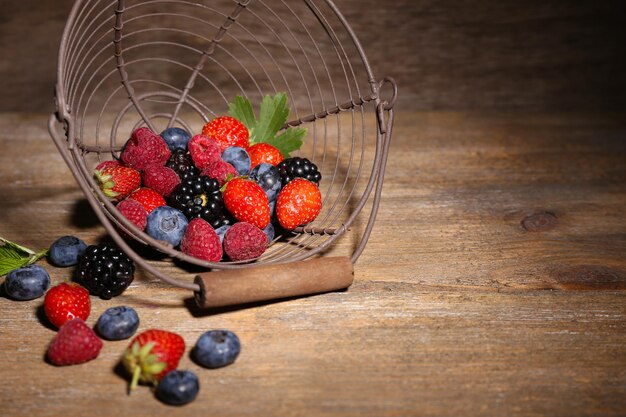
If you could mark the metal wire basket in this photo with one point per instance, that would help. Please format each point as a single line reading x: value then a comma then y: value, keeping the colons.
x: 163, y: 63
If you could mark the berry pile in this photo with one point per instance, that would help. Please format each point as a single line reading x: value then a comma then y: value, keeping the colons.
x: 237, y: 172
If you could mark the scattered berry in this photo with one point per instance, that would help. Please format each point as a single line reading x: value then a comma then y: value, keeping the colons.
x: 115, y: 180
x: 268, y: 177
x: 244, y: 241
x: 66, y: 250
x: 168, y: 224
x: 148, y: 198
x: 247, y: 202
x: 220, y: 170
x: 264, y: 153
x: 182, y: 163
x: 178, y: 388
x: 203, y: 151
x: 152, y: 354
x: 176, y: 138
x: 27, y: 283
x: 216, y: 348
x: 200, y: 197
x: 201, y: 241
x: 227, y: 131
x: 297, y: 167
x: 221, y: 231
x: 117, y: 323
x: 145, y: 148
x: 134, y: 211
x: 74, y: 343
x: 299, y: 202
x: 161, y: 179
x: 66, y: 301
x: 238, y: 158
x: 105, y: 270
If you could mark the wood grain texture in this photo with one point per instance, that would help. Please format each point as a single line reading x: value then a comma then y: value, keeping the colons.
x: 492, y: 285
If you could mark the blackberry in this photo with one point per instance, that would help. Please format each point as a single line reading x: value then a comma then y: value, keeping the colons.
x: 105, y: 270
x: 200, y: 196
x: 180, y: 161
x: 297, y: 167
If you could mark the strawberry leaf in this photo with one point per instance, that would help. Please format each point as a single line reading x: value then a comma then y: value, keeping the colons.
x: 288, y: 141
x: 241, y: 109
x: 272, y: 117
x: 13, y: 256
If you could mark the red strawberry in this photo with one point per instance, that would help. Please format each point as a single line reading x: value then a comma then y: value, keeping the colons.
x: 148, y: 198
x: 220, y: 170
x: 145, y: 148
x: 134, y: 211
x: 264, y: 152
x: 161, y: 179
x: 116, y: 180
x: 152, y: 354
x: 65, y: 302
x: 201, y: 241
x: 74, y: 343
x: 203, y: 151
x: 247, y: 202
x: 227, y: 131
x: 299, y: 202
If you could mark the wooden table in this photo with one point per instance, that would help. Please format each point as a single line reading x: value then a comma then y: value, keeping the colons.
x: 493, y: 284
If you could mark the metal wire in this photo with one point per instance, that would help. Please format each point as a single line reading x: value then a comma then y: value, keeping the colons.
x: 163, y: 63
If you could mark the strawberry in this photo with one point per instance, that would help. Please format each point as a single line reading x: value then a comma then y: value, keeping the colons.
x: 264, y: 152
x: 152, y: 354
x: 74, y: 343
x: 65, y: 302
x: 148, y: 198
x: 247, y: 202
x: 227, y: 131
x: 299, y: 202
x: 115, y: 180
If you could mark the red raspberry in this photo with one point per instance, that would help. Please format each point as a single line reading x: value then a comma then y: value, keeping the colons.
x: 201, y: 241
x: 227, y: 131
x: 134, y: 211
x: 161, y: 179
x: 148, y: 198
x: 74, y: 343
x: 264, y: 152
x: 220, y: 170
x: 244, y: 241
x: 145, y: 148
x: 203, y: 151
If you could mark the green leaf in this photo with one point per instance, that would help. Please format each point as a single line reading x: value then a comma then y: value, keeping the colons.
x: 13, y: 256
x: 288, y: 141
x: 241, y: 109
x: 272, y: 117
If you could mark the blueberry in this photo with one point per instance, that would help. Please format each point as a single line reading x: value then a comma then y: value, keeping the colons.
x: 238, y: 158
x: 27, y: 283
x: 66, y: 250
x: 176, y: 138
x: 269, y: 232
x: 178, y: 387
x: 168, y: 224
x: 221, y: 231
x: 268, y: 177
x: 217, y: 348
x: 118, y: 323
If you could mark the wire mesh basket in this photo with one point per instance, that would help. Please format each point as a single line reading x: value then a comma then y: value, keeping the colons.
x: 177, y: 63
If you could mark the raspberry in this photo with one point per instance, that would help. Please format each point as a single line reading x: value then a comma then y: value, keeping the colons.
x: 203, y: 151
x: 74, y: 343
x: 201, y: 241
x: 161, y: 179
x: 145, y: 148
x: 220, y: 170
x: 148, y: 198
x: 133, y: 211
x: 244, y: 241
